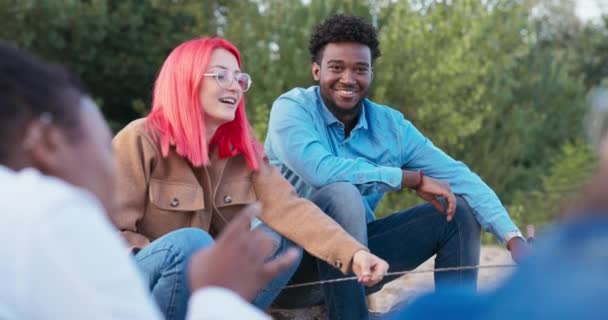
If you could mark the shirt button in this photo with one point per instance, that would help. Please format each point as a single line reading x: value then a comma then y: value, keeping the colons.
x: 174, y: 202
x: 338, y: 264
x: 227, y: 199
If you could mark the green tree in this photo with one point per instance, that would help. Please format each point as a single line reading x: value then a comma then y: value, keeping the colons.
x: 537, y: 108
x: 568, y: 172
x: 115, y: 46
x: 436, y: 68
x: 437, y: 57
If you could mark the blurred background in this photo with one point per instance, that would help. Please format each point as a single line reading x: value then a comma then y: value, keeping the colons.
x: 502, y: 85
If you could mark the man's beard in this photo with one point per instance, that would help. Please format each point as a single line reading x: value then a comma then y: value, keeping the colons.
x: 342, y: 113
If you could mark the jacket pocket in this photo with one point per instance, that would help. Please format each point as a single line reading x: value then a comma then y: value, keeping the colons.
x: 235, y: 192
x: 176, y: 196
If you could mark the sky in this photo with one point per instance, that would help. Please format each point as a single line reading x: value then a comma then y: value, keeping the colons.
x: 590, y: 9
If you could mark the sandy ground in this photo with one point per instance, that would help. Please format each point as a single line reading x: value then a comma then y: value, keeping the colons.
x: 404, y: 289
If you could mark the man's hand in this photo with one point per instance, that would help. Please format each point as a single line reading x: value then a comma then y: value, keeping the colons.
x: 518, y: 248
x: 368, y: 268
x: 237, y: 260
x: 430, y: 189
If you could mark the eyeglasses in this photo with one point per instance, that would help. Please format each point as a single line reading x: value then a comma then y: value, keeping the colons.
x: 225, y: 78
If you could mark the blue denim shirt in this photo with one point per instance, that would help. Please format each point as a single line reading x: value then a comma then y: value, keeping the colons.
x: 307, y: 143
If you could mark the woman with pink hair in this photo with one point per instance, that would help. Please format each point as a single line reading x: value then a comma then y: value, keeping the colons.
x: 193, y: 163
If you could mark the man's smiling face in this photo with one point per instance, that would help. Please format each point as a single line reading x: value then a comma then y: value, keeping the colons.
x: 344, y: 75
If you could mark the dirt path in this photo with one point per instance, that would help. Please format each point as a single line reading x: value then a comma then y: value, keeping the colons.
x: 409, y: 286
x: 403, y: 289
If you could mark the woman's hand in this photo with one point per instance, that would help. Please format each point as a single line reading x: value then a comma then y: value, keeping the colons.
x: 368, y: 268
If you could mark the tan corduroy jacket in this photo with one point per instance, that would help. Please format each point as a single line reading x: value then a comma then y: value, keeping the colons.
x: 158, y: 195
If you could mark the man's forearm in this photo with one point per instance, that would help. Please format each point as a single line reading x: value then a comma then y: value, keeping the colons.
x: 409, y: 179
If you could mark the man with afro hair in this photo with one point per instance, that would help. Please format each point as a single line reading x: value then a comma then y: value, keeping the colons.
x: 344, y: 151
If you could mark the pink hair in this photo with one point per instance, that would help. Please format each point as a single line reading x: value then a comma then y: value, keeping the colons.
x: 177, y: 117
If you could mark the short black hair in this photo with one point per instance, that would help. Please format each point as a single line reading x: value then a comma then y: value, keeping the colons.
x: 343, y: 28
x: 30, y: 88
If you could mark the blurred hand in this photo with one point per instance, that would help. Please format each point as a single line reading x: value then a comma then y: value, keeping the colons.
x: 237, y: 260
x: 518, y: 248
x: 431, y: 188
x: 368, y: 268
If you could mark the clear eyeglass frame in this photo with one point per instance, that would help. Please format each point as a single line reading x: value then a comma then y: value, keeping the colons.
x: 225, y: 78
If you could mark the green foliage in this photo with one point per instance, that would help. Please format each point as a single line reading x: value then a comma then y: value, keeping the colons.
x: 435, y: 66
x: 475, y: 80
x: 569, y: 170
x: 537, y: 108
x: 590, y: 53
x: 115, y: 46
x: 396, y: 201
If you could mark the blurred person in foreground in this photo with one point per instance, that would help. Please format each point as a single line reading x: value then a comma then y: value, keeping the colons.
x: 565, y: 274
x: 62, y: 259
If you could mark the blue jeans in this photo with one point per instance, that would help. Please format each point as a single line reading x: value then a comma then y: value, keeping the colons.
x: 164, y: 265
x: 405, y: 240
x: 270, y: 292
